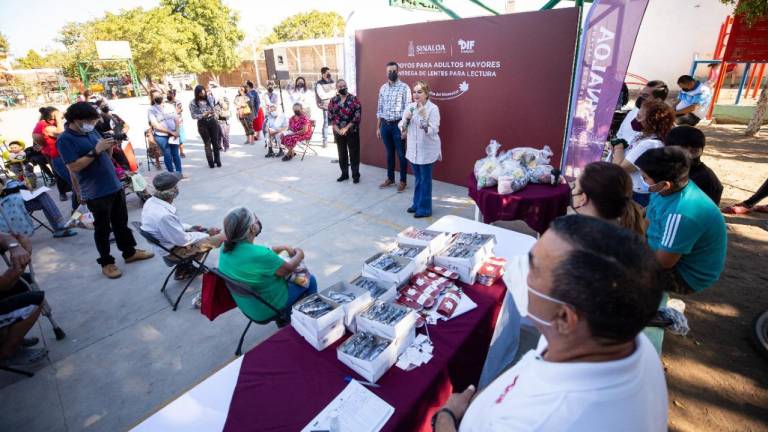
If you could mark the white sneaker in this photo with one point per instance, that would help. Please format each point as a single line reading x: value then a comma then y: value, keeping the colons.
x: 197, y: 301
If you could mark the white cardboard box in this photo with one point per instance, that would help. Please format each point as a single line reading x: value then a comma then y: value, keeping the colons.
x: 399, y: 330
x: 320, y: 342
x: 318, y: 327
x: 467, y: 267
x: 371, y: 370
x: 407, y: 268
x: 383, y: 290
x: 423, y: 258
x: 436, y: 241
x: 362, y: 298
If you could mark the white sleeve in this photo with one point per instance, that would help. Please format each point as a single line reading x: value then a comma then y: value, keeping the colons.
x: 638, y: 150
x: 172, y: 231
x: 434, y: 122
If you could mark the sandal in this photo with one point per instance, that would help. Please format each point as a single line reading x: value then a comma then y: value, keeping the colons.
x: 737, y: 209
x: 64, y: 233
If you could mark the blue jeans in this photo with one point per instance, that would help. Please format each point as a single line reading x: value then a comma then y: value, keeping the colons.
x: 325, y: 126
x: 642, y: 199
x: 295, y: 292
x: 390, y: 134
x: 170, y: 153
x: 61, y: 170
x: 422, y: 195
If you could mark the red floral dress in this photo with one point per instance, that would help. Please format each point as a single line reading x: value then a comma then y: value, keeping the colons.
x: 296, y: 124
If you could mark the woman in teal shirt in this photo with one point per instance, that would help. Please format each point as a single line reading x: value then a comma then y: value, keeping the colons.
x: 259, y: 267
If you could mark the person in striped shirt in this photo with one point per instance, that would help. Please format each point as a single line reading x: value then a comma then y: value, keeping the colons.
x: 686, y: 230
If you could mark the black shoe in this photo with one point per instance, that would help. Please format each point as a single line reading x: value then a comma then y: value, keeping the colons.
x: 269, y: 154
x: 356, y: 180
x: 211, y: 166
x: 63, y: 197
x: 342, y: 178
x: 285, y: 158
x: 411, y: 210
x: 418, y: 216
x: 218, y: 164
x: 281, y: 153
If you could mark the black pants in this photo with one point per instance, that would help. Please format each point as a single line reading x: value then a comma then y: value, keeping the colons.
x: 110, y: 214
x: 349, y: 152
x: 40, y: 160
x: 211, y: 134
x: 761, y: 194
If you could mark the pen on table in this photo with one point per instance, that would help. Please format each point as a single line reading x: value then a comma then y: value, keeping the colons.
x: 365, y: 383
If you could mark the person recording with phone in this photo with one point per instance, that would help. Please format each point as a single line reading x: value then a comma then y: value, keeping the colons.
x: 88, y: 156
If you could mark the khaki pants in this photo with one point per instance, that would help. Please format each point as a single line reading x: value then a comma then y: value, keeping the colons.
x: 197, y: 249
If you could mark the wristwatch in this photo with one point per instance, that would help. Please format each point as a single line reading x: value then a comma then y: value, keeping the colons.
x: 450, y: 413
x: 93, y: 153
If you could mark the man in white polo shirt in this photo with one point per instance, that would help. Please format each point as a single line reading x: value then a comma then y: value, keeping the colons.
x: 593, y: 286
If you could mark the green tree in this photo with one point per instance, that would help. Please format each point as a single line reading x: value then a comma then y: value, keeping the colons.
x: 307, y: 25
x: 753, y: 10
x: 216, y: 45
x: 161, y: 42
x: 32, y: 60
x: 4, y: 47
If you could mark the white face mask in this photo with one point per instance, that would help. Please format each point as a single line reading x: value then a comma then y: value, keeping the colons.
x: 87, y: 127
x: 647, y: 187
x: 546, y: 297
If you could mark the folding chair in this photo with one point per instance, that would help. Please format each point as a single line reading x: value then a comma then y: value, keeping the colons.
x: 281, y: 317
x: 305, y: 144
x: 33, y: 286
x: 40, y: 224
x: 175, y: 261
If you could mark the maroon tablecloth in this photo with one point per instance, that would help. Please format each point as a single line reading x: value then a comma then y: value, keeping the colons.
x: 538, y: 205
x: 284, y: 382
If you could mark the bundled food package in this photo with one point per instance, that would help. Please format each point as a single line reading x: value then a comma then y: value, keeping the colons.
x: 368, y: 354
x: 487, y: 169
x: 529, y: 157
x: 544, y: 174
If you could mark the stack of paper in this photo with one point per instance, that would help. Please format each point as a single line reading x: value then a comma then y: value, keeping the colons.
x: 417, y: 354
x: 355, y: 409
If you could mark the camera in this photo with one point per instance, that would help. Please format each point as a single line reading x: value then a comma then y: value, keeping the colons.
x: 117, y: 136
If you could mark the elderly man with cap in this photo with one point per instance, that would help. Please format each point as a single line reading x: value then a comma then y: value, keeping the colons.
x: 160, y: 219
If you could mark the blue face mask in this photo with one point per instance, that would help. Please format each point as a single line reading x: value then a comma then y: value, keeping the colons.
x: 647, y: 187
x: 545, y: 297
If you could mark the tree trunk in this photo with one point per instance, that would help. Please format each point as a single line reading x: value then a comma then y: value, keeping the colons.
x: 757, y: 118
x: 214, y: 78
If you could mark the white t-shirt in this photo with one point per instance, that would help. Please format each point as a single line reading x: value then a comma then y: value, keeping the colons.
x: 633, y: 153
x: 628, y: 395
x: 625, y: 130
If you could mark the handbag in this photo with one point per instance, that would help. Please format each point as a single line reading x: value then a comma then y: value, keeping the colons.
x: 215, y: 298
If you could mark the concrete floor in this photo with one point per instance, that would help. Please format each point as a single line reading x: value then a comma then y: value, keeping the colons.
x: 126, y: 352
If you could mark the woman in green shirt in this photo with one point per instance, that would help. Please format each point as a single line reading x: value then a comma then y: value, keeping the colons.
x: 259, y: 267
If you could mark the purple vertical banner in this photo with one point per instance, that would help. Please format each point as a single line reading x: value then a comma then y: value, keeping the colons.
x: 607, y: 42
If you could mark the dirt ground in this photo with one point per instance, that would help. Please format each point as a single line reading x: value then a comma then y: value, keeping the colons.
x: 717, y: 381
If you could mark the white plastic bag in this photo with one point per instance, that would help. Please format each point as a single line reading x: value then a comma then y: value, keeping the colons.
x: 81, y: 218
x: 530, y: 157
x: 487, y: 169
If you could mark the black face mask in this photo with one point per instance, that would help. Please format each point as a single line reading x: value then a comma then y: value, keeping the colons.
x: 392, y: 75
x: 639, y: 102
x: 637, y: 126
x: 328, y: 77
x: 297, y: 112
x: 269, y: 90
x: 158, y: 100
x: 343, y: 91
x: 300, y: 85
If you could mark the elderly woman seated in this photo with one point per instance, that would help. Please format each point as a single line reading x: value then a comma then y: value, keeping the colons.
x: 299, y: 129
x: 260, y: 267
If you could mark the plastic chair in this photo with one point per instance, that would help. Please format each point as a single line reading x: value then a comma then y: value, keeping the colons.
x: 280, y: 317
x: 175, y: 261
x: 305, y: 144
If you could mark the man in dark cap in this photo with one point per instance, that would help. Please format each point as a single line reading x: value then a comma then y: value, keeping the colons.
x: 160, y: 219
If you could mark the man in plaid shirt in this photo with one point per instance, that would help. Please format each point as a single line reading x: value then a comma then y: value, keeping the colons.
x: 394, y: 95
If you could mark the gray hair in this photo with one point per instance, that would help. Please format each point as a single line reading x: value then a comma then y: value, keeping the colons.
x: 236, y: 225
